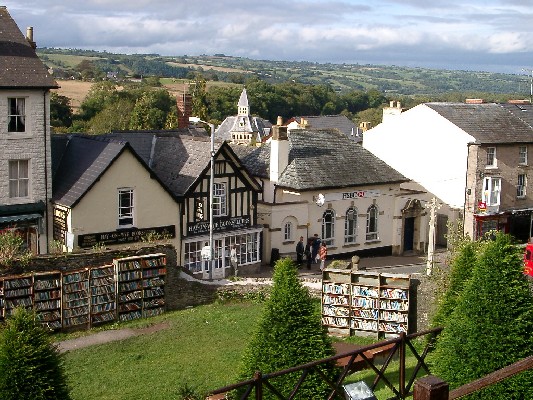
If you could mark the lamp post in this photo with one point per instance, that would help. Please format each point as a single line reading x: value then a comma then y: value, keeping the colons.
x: 196, y: 120
x: 530, y: 85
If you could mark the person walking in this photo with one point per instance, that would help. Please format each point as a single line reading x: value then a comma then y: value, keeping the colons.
x: 322, y: 254
x: 300, y: 249
x: 308, y: 253
x: 233, y: 259
x: 316, y: 247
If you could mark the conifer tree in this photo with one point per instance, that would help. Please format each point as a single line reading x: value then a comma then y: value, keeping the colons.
x: 491, y: 324
x: 289, y: 334
x: 30, y: 365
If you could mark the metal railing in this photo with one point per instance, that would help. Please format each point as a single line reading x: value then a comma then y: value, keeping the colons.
x: 255, y: 387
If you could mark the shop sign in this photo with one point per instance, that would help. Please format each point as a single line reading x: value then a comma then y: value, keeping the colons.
x: 482, y: 206
x: 220, y: 224
x: 125, y: 236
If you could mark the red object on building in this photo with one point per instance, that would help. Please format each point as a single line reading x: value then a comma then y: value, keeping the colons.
x: 184, y: 105
x: 528, y: 259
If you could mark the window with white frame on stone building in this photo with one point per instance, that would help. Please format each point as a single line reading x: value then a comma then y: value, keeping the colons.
x: 287, y: 231
x: 491, y: 157
x: 16, y: 114
x: 125, y: 207
x: 372, y: 223
x: 350, y: 226
x: 521, y: 185
x: 328, y: 227
x: 522, y: 155
x: 491, y: 191
x: 19, y: 178
x: 219, y: 200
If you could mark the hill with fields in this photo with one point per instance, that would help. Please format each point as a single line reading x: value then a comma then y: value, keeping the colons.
x: 390, y: 80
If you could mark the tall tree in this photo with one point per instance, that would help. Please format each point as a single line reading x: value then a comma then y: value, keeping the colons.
x: 491, y: 324
x: 30, y: 365
x: 60, y: 111
x: 289, y: 334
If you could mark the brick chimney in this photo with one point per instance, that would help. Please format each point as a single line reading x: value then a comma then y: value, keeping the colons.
x: 184, y: 104
x: 279, y: 152
x: 29, y: 37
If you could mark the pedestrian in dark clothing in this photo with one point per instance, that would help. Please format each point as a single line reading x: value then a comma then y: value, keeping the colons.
x: 315, y: 248
x: 308, y: 253
x: 300, y: 248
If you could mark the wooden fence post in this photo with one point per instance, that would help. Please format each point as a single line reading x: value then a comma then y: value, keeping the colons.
x: 430, y: 388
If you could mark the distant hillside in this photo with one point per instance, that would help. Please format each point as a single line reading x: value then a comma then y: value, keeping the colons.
x: 342, y: 77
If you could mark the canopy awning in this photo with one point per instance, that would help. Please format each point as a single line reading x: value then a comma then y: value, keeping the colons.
x: 18, y: 218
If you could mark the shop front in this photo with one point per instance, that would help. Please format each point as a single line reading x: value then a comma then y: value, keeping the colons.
x: 26, y: 221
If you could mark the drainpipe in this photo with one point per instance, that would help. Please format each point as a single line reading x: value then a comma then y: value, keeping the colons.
x: 45, y: 173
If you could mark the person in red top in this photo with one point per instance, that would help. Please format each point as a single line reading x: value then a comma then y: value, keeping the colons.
x: 322, y: 253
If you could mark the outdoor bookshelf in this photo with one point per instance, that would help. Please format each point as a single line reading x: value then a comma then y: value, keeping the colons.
x: 47, y: 299
x: 103, y: 298
x: 18, y: 292
x: 76, y: 298
x: 365, y: 303
x: 154, y: 273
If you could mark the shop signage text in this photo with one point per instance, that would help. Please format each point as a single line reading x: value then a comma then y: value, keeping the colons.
x: 125, y: 236
x: 221, y: 224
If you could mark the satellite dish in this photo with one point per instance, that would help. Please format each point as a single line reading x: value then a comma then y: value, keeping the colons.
x: 320, y: 199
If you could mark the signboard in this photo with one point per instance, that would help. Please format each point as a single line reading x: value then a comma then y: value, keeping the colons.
x: 220, y: 224
x: 356, y: 194
x: 482, y: 206
x: 59, y: 223
x: 124, y: 236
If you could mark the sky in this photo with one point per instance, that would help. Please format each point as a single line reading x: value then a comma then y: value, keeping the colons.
x: 476, y: 35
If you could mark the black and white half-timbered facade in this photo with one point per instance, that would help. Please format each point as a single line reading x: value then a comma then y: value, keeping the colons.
x: 182, y: 163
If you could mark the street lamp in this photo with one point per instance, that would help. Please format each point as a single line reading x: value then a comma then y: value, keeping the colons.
x: 530, y: 85
x: 196, y: 120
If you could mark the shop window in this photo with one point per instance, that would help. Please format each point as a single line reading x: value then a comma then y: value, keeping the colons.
x: 19, y: 180
x: 125, y: 207
x: 372, y: 223
x: 16, y: 115
x: 350, y: 226
x: 521, y: 186
x: 491, y: 191
x: 219, y: 200
x: 328, y: 227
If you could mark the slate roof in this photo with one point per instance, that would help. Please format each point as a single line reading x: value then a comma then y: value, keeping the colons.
x: 321, y: 159
x: 521, y: 111
x: 82, y: 161
x: 19, y: 65
x: 249, y: 124
x: 488, y: 123
x: 339, y: 122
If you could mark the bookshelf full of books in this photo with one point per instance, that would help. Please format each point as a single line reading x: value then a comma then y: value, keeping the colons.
x: 76, y: 299
x: 365, y: 303
x: 18, y: 292
x: 103, y: 299
x: 47, y: 299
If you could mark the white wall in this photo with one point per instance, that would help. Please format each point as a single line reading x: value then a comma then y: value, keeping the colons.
x: 426, y: 148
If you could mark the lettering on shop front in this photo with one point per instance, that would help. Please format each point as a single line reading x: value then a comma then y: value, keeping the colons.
x: 219, y: 225
x: 125, y: 236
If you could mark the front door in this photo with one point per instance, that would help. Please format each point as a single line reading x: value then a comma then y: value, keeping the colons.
x: 219, y: 262
x: 408, y: 233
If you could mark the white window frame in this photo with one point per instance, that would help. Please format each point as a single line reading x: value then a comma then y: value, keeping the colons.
x: 522, y: 155
x: 491, y: 157
x: 492, y: 187
x: 19, y: 178
x: 16, y: 115
x: 328, y: 227
x: 521, y: 183
x: 219, y: 200
x: 126, y: 212
x: 287, y: 231
x: 372, y: 223
x: 350, y: 226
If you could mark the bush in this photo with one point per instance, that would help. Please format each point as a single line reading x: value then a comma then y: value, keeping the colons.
x: 289, y: 334
x: 12, y: 249
x: 491, y: 324
x: 30, y: 366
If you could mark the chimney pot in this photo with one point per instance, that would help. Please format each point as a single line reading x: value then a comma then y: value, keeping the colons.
x: 29, y: 37
x: 279, y: 121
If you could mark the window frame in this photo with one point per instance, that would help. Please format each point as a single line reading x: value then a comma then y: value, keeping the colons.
x: 491, y: 192
x: 372, y: 231
x: 350, y: 226
x: 491, y: 157
x: 220, y: 208
x: 287, y: 231
x: 521, y: 184
x: 126, y: 219
x: 522, y: 155
x: 328, y: 227
x: 18, y: 180
x: 15, y: 116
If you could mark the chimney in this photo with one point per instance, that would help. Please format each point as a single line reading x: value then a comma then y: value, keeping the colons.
x: 279, y: 121
x: 279, y: 152
x: 474, y: 101
x: 364, y: 126
x: 29, y: 37
x: 184, y: 105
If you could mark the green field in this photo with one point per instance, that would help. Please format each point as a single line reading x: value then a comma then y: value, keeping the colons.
x: 199, y: 348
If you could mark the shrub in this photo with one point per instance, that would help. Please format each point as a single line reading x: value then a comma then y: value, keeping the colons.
x: 491, y: 324
x: 12, y: 249
x: 289, y: 334
x: 30, y: 365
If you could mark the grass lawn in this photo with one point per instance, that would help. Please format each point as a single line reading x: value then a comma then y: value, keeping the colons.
x: 200, y: 349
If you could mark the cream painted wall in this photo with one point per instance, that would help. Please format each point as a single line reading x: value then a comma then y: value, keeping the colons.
x: 98, y: 209
x: 426, y: 148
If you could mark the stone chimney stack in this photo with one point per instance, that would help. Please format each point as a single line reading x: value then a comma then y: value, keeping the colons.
x: 394, y: 109
x: 29, y: 37
x: 279, y: 152
x: 280, y: 120
x: 184, y: 104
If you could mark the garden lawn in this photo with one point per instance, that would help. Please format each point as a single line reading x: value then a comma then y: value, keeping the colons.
x: 201, y: 350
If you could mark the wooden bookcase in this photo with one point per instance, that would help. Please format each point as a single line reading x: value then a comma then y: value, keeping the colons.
x: 47, y: 299
x: 18, y: 292
x: 365, y: 303
x: 154, y: 273
x: 76, y: 299
x: 103, y: 295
